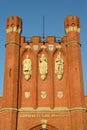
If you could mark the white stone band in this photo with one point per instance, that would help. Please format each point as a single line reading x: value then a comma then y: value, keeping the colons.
x: 44, y: 109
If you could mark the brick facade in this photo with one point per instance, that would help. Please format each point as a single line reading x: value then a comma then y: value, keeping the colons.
x: 43, y: 81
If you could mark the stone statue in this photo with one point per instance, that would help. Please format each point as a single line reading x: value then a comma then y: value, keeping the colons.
x: 27, y: 68
x: 43, y: 66
x: 59, y: 67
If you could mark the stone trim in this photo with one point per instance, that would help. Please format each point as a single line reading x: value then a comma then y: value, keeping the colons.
x: 12, y: 42
x: 44, y: 109
x: 47, y: 109
x: 73, y: 42
x: 8, y: 109
x: 78, y: 109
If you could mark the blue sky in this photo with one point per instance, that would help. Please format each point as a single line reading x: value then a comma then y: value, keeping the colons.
x: 32, y: 12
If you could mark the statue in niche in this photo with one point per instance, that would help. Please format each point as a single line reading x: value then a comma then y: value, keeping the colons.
x: 27, y: 68
x: 43, y: 66
x: 59, y: 66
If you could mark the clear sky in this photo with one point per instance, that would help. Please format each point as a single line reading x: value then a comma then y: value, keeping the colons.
x: 32, y: 12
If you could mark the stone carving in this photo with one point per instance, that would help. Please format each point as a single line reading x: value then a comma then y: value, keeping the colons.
x: 43, y: 66
x: 44, y: 123
x: 59, y: 67
x: 27, y: 68
x: 43, y: 94
x: 27, y: 94
x: 72, y: 28
x: 35, y: 47
x: 13, y: 29
x: 59, y: 47
x: 51, y: 47
x: 60, y: 94
x: 9, y: 29
x: 27, y: 47
x: 43, y: 47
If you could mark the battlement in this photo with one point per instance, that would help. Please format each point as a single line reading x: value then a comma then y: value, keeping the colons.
x: 35, y: 39
x: 13, y: 24
x: 51, y: 39
x: 72, y: 23
x: 39, y: 39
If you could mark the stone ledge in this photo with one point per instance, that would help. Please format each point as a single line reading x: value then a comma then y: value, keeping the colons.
x: 44, y: 109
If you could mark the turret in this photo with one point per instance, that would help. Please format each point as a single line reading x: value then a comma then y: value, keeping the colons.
x: 13, y: 29
x: 72, y: 28
x: 75, y: 76
x: 11, y: 75
x: 72, y: 23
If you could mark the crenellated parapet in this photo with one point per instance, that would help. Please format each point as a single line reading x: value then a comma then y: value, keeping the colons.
x: 14, y: 24
x: 72, y: 23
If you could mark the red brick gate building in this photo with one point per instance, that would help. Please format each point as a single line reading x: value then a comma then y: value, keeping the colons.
x: 43, y: 81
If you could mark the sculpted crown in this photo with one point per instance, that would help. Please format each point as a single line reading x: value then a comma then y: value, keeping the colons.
x: 72, y: 23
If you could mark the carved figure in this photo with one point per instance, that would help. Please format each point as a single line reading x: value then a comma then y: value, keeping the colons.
x: 12, y: 28
x: 43, y: 66
x: 9, y: 29
x: 15, y: 29
x: 59, y: 67
x: 27, y: 68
